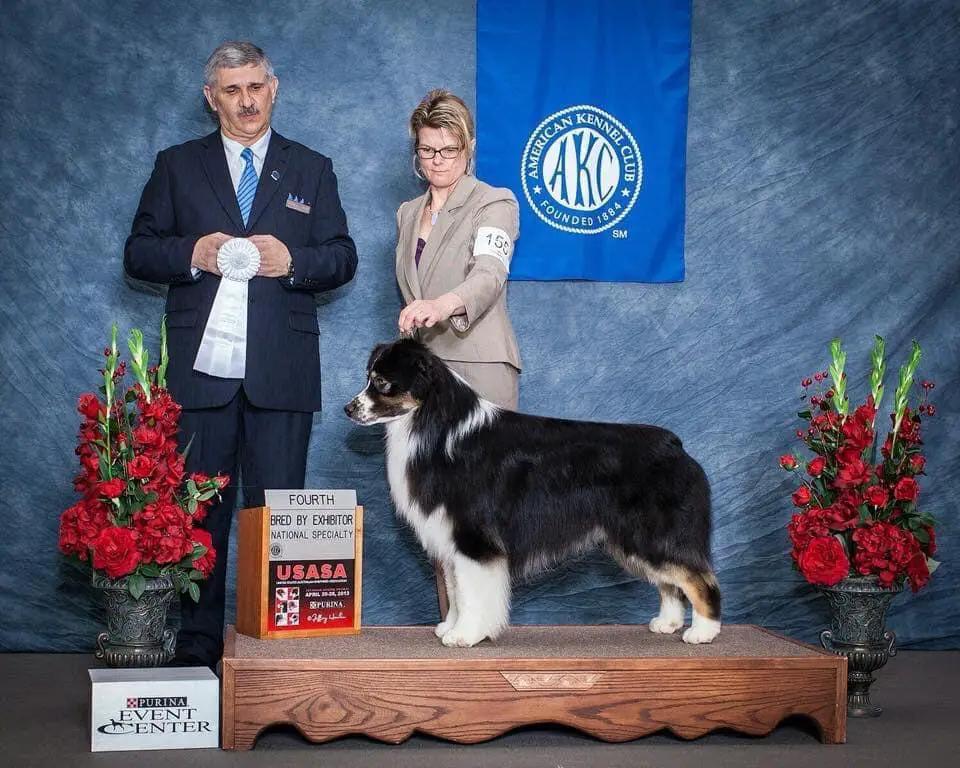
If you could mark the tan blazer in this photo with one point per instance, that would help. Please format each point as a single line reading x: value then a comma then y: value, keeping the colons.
x: 448, y: 264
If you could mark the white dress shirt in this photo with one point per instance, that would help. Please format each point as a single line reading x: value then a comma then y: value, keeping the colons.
x: 236, y: 164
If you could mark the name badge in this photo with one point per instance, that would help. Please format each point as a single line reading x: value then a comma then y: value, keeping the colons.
x: 296, y: 203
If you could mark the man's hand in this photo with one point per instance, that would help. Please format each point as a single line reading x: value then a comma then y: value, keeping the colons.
x: 423, y: 312
x: 275, y: 258
x: 205, y: 252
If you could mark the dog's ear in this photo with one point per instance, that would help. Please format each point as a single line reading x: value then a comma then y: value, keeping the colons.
x: 375, y: 355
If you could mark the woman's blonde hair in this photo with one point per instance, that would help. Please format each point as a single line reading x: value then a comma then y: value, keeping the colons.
x: 442, y: 109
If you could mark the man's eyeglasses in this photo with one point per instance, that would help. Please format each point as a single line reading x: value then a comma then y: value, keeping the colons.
x: 447, y: 153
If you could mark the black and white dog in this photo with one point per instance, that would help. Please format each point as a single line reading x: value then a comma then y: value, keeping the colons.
x: 496, y: 495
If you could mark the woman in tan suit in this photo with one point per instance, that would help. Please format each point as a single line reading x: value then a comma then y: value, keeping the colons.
x: 454, y: 245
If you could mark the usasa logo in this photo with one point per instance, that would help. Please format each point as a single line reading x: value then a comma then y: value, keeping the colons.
x: 581, y: 170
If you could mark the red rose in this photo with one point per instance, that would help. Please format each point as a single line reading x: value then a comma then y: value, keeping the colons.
x: 906, y: 489
x: 115, y: 551
x: 876, y: 496
x: 840, y: 517
x: 824, y: 561
x: 89, y: 406
x: 140, y: 467
x: 112, y: 488
x: 917, y: 463
x: 802, y: 528
x: 816, y: 467
x: 788, y: 462
x: 852, y: 474
x: 801, y: 496
x: 205, y: 562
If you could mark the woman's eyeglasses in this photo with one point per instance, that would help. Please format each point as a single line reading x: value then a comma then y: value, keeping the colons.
x: 447, y: 153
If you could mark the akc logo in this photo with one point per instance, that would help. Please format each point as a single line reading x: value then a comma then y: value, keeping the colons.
x: 581, y: 170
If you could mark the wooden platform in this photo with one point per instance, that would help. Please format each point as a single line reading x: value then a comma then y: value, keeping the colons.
x: 614, y: 682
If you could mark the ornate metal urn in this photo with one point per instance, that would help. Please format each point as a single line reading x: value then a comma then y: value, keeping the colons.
x: 137, y: 633
x: 858, y: 610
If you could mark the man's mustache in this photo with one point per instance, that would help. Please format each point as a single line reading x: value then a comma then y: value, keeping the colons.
x: 248, y: 112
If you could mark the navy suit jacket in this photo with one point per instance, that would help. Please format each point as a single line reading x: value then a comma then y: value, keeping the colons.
x: 190, y: 194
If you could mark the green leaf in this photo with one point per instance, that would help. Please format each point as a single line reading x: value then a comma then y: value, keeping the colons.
x: 194, y: 591
x: 806, y: 415
x: 137, y: 585
x: 932, y: 565
x: 151, y: 570
x: 192, y: 506
x: 195, y: 575
x: 207, y: 495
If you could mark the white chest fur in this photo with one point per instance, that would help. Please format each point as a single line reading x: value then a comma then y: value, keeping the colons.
x: 433, y: 530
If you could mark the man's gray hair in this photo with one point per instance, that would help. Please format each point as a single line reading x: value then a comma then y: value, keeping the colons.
x: 233, y: 54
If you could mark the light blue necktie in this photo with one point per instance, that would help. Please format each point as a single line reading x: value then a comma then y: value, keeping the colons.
x: 247, y: 188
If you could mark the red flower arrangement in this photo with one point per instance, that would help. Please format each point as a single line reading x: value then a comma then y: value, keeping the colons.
x: 858, y: 513
x: 137, y: 518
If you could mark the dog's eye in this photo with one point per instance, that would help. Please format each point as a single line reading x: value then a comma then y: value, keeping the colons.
x: 381, y: 385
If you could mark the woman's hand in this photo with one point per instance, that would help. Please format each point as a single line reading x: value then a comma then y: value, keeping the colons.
x: 424, y: 313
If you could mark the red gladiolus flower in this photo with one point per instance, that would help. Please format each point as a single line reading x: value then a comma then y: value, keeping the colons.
x: 876, y: 496
x: 906, y: 489
x: 115, y: 551
x: 204, y: 563
x: 112, y: 488
x: 801, y: 496
x: 824, y: 561
x: 918, y: 572
x: 140, y: 467
x: 816, y: 467
x: 788, y: 462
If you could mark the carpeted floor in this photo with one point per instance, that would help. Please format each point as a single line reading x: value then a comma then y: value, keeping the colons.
x: 43, y: 711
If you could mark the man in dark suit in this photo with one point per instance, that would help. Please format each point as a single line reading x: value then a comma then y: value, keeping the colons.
x: 242, y: 181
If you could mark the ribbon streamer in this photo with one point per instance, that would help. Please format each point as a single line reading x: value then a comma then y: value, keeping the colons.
x: 223, y: 348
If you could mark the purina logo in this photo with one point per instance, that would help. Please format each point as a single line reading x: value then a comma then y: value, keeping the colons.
x: 156, y: 714
x: 581, y: 170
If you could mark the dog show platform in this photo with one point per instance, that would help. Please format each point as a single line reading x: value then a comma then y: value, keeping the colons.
x: 614, y: 682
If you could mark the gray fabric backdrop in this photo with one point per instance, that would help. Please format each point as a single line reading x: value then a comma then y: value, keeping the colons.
x: 822, y: 200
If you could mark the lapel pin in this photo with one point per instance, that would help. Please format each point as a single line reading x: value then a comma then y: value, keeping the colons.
x: 275, y: 175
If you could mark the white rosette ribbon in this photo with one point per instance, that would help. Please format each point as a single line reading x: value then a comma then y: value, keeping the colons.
x: 223, y: 348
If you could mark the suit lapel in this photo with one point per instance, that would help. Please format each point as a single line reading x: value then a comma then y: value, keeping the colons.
x: 274, y: 166
x: 449, y: 218
x: 408, y: 246
x: 214, y: 161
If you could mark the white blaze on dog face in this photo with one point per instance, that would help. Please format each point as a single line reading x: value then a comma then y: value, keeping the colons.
x: 380, y: 402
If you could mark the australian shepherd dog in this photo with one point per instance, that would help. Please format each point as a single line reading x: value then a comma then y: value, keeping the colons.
x: 496, y: 496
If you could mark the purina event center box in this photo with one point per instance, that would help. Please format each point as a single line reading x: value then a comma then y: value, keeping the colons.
x: 173, y: 708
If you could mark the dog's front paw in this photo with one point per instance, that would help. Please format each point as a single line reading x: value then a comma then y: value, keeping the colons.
x: 702, y: 632
x: 442, y: 628
x: 459, y: 638
x: 663, y: 625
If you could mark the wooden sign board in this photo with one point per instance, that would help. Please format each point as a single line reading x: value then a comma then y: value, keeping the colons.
x: 299, y: 565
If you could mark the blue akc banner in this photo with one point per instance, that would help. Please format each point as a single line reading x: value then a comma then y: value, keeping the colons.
x: 582, y: 112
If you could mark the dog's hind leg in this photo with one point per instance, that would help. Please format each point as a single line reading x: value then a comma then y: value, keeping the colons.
x: 672, y: 610
x: 482, y: 600
x: 702, y: 591
x: 450, y: 620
